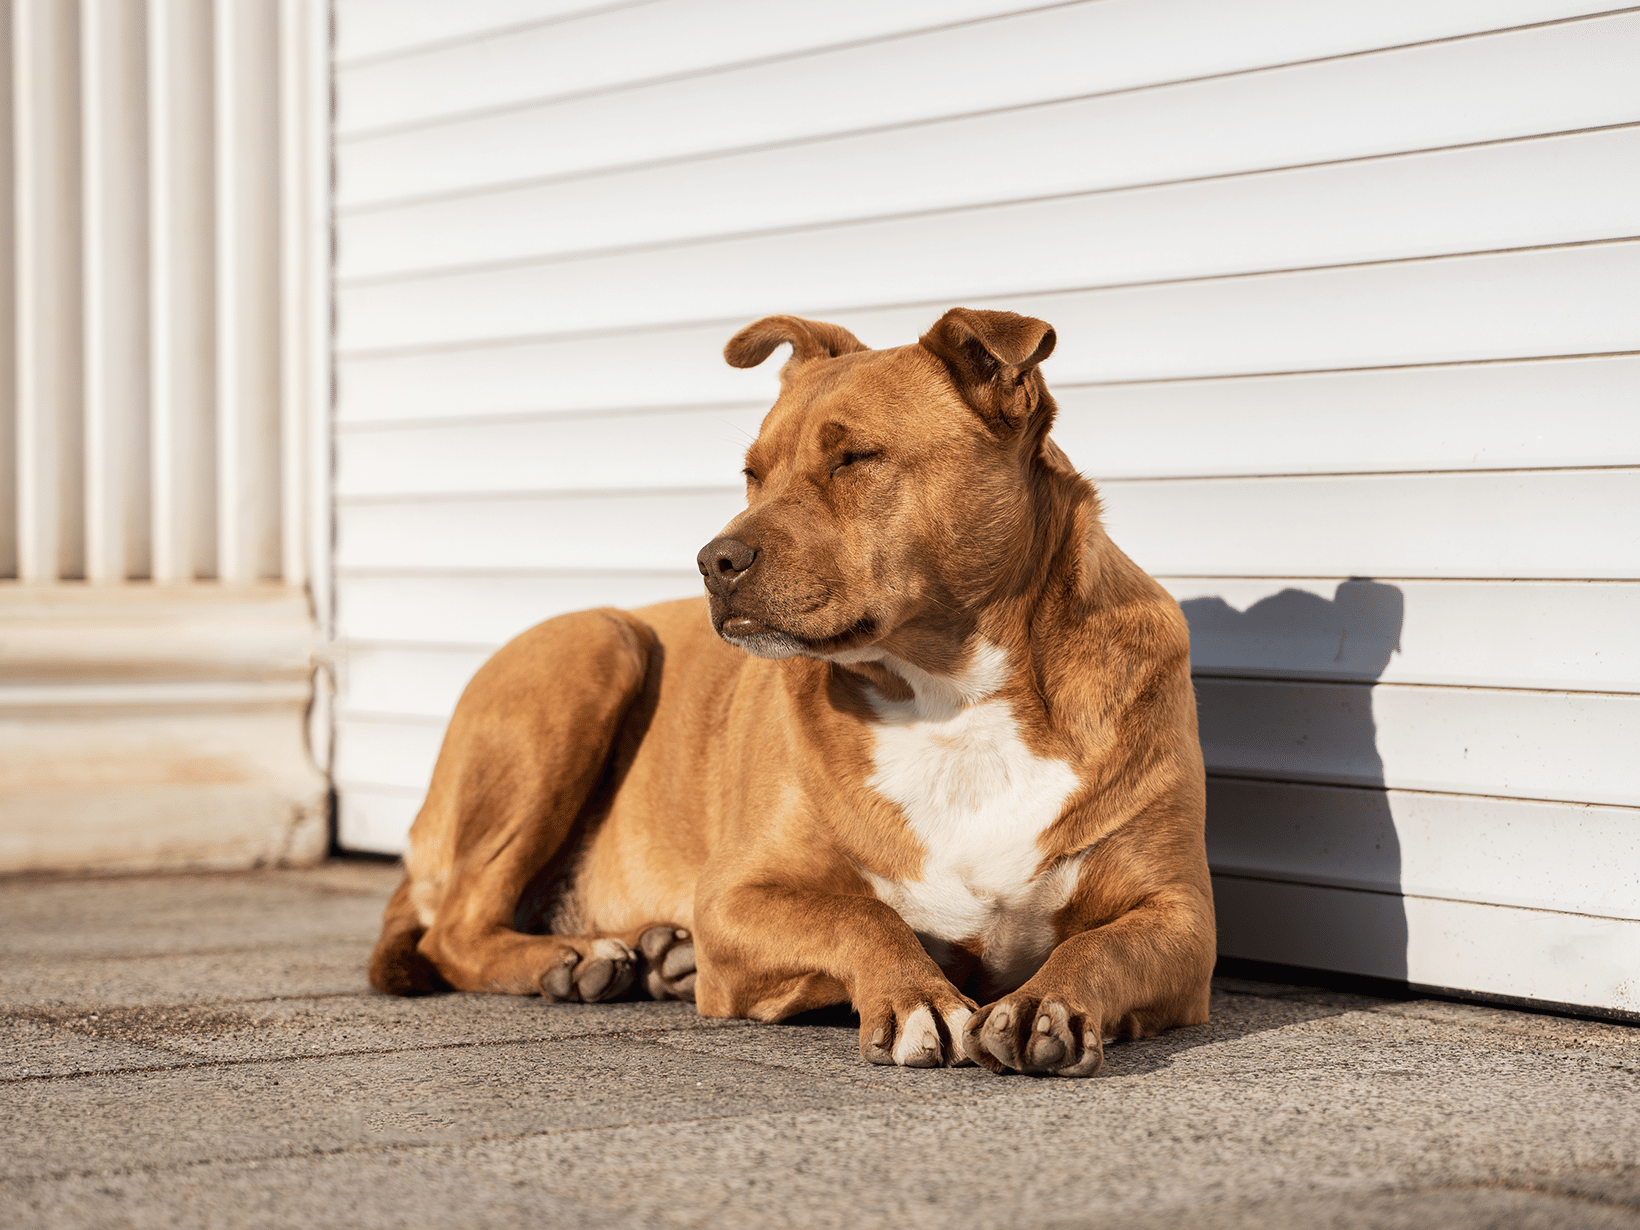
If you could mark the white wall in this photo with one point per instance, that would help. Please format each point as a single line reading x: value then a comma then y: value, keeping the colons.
x: 1341, y: 292
x: 164, y: 431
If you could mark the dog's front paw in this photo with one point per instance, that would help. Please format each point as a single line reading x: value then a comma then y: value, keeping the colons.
x: 589, y: 969
x: 669, y: 962
x: 915, y: 1030
x: 1025, y: 1033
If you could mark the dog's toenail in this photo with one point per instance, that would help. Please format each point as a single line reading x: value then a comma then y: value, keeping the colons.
x: 1043, y: 1024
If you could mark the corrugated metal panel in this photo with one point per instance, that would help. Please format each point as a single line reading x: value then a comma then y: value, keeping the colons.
x: 1341, y: 295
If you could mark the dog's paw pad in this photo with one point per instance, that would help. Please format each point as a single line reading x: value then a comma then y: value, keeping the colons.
x: 918, y: 1034
x: 669, y: 962
x: 591, y: 971
x: 558, y: 983
x: 1022, y: 1034
x: 918, y: 1043
x: 608, y: 970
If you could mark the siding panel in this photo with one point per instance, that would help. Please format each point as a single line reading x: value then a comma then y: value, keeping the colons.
x: 370, y: 28
x: 1541, y: 856
x: 390, y: 752
x: 485, y: 611
x: 1504, y: 634
x: 1572, y: 747
x: 1582, y: 412
x: 1523, y: 523
x: 1510, y: 634
x: 1579, y: 74
x: 1579, y: 188
x: 673, y: 449
x: 638, y: 530
x: 374, y: 818
x: 1582, y: 524
x: 618, y: 44
x: 1516, y: 194
x: 1338, y: 294
x: 1547, y: 302
x: 1499, y: 950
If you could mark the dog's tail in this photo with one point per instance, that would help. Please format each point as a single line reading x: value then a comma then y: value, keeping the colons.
x: 397, y: 966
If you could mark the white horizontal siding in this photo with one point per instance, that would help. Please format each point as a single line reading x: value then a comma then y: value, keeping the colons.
x: 484, y: 611
x: 422, y: 681
x: 1580, y: 412
x: 899, y: 173
x: 1338, y: 294
x: 367, y: 29
x: 635, y: 530
x: 668, y: 367
x: 1562, y: 189
x: 1540, y: 303
x: 1572, y: 747
x: 1545, y: 79
x: 613, y: 45
x: 394, y: 753
x: 690, y: 448
x: 1567, y: 857
x: 1518, y: 523
x: 1510, y: 634
x: 1503, y: 634
x: 1499, y: 950
x: 1179, y: 233
x: 1541, y: 524
x: 374, y: 819
x: 1568, y: 413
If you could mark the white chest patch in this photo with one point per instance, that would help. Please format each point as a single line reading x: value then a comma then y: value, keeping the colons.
x: 978, y: 799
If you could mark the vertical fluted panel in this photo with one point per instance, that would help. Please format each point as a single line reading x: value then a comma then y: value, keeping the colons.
x: 45, y: 106
x: 304, y: 39
x: 8, y: 304
x: 114, y: 184
x: 165, y: 242
x: 249, y: 446
x: 182, y: 272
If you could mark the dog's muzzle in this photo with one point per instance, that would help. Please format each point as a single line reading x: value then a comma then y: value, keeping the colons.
x: 723, y: 562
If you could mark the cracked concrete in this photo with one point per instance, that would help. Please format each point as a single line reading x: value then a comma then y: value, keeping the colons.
x: 203, y: 1051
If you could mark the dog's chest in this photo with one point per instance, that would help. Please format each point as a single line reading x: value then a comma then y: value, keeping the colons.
x: 978, y: 799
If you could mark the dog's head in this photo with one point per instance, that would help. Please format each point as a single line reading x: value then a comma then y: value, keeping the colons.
x: 887, y: 490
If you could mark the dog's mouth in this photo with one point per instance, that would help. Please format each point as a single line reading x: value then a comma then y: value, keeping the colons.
x: 766, y: 641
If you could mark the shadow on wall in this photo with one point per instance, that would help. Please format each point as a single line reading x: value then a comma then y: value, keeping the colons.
x: 1296, y: 803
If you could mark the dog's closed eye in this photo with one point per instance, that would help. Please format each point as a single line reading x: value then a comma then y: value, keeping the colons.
x: 855, y: 457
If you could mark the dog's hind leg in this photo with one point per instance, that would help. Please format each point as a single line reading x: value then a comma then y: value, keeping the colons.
x: 396, y: 966
x: 529, y: 743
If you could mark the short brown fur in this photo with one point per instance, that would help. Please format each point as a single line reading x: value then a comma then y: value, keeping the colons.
x: 615, y: 787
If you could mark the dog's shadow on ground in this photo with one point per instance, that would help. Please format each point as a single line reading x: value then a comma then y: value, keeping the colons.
x: 1239, y: 1011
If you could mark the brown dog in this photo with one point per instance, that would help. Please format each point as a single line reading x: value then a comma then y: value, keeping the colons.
x: 935, y: 747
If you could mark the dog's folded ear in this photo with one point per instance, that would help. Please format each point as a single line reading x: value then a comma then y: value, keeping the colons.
x: 809, y: 340
x: 991, y: 356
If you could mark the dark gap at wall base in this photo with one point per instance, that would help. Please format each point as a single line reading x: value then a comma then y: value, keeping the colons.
x: 341, y: 854
x: 1396, y: 989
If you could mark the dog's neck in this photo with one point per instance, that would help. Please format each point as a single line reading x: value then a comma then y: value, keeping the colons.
x: 1058, y: 569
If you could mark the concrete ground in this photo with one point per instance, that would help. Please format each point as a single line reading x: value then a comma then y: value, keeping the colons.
x: 203, y: 1050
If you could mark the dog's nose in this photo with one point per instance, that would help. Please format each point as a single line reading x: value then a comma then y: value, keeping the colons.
x: 723, y: 561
